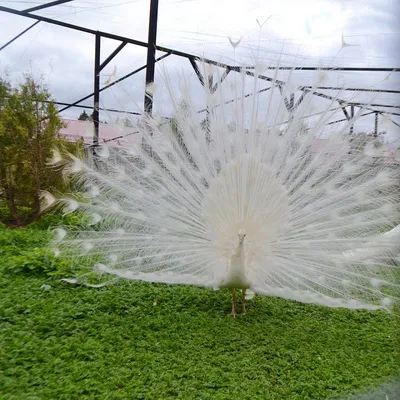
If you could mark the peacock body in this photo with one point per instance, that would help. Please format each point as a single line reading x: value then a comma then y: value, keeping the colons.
x: 242, y: 201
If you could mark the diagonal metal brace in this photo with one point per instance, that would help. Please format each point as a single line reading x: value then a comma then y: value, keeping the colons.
x: 223, y: 76
x: 112, y: 55
x: 343, y: 107
x: 113, y: 83
x: 51, y: 4
x: 301, y: 98
x: 196, y: 69
x: 291, y: 102
x: 285, y: 100
x: 19, y: 35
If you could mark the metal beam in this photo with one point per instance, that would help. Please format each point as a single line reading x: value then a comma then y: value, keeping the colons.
x: 346, y: 120
x: 348, y: 69
x: 287, y: 104
x: 210, y: 82
x: 120, y: 137
x: 112, y: 55
x: 373, y: 105
x: 96, y: 98
x: 197, y: 70
x: 301, y: 98
x: 285, y: 100
x: 325, y: 96
x: 61, y: 103
x: 51, y: 4
x: 291, y: 103
x: 223, y: 76
x: 280, y: 83
x: 352, y: 89
x: 239, y: 98
x: 343, y: 107
x: 351, y: 118
x: 304, y: 92
x: 151, y: 56
x: 394, y: 122
x: 19, y: 35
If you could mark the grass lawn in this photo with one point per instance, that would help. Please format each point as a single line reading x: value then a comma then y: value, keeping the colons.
x: 147, y: 341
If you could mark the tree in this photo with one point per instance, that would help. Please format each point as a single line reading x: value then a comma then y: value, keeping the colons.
x: 28, y: 132
x: 84, y: 116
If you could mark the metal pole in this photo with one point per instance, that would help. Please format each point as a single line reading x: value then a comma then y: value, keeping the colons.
x: 351, y: 117
x: 151, y: 55
x: 96, y: 90
x: 376, y: 125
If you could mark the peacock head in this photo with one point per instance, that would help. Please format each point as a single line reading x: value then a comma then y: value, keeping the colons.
x: 242, y: 235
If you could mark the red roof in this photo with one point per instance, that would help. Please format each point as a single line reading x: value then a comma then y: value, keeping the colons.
x: 76, y: 130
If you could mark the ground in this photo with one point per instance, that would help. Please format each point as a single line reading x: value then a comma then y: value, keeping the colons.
x: 135, y: 340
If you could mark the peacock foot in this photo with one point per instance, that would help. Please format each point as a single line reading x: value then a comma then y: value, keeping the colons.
x: 233, y: 314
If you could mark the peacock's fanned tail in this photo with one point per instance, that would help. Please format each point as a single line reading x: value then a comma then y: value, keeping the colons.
x: 168, y: 208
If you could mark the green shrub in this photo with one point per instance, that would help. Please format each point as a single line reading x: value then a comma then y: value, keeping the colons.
x: 13, y: 241
x: 7, y: 219
x: 27, y: 250
x: 54, y: 219
x: 37, y: 261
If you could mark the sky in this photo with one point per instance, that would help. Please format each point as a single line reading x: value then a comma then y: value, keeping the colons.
x: 320, y: 33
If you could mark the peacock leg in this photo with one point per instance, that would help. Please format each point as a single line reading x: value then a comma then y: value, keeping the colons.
x: 233, y: 313
x: 243, y: 301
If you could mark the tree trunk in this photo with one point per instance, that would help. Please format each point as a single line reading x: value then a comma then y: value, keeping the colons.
x: 36, y: 206
x: 9, y: 194
x: 10, y: 197
x: 14, y: 210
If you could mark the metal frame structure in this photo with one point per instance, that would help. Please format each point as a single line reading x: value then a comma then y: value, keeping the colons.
x: 152, y: 47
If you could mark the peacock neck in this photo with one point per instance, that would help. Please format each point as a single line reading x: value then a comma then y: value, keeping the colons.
x: 239, y: 252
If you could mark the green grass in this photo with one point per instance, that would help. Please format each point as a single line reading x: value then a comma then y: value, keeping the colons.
x: 148, y: 341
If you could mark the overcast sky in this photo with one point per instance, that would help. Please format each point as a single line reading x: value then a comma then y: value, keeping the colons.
x: 303, y: 33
